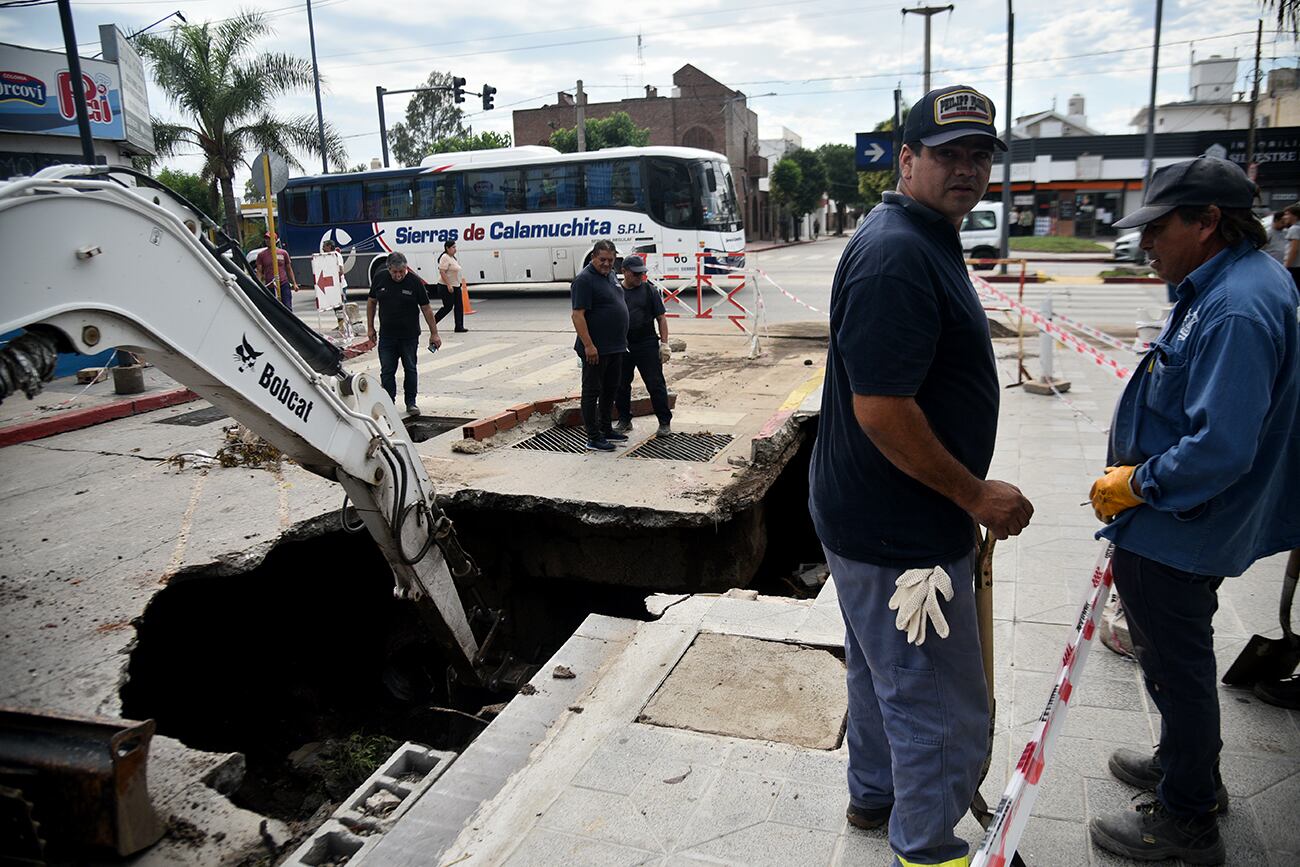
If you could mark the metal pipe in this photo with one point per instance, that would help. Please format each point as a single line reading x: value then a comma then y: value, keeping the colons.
x: 383, y: 130
x: 315, y: 72
x: 1005, y: 244
x: 1149, y: 156
x: 78, y: 87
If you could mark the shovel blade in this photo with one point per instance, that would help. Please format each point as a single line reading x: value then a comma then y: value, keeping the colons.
x: 1263, y: 659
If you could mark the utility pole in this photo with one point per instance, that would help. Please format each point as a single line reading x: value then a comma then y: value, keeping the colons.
x: 928, y: 12
x: 1006, y: 154
x: 383, y: 128
x: 315, y: 73
x: 1150, y: 150
x: 1254, y: 97
x: 78, y: 86
x: 898, y: 130
x: 580, y: 106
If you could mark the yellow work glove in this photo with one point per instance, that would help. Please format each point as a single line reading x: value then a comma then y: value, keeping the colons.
x: 1113, y: 493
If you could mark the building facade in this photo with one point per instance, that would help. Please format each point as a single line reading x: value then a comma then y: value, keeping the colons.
x: 701, y: 113
x: 1080, y: 185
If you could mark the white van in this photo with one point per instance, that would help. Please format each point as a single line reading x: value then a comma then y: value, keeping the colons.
x: 981, y: 232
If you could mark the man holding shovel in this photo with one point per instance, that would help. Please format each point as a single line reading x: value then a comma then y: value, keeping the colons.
x: 1201, y: 481
x: 897, y: 485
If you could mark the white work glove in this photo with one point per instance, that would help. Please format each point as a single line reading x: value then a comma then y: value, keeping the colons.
x: 917, y: 598
x: 664, y: 353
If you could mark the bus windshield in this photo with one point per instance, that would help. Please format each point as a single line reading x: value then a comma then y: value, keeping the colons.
x: 718, y: 208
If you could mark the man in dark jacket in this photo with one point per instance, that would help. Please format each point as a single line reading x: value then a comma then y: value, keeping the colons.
x: 600, y: 318
x: 647, y: 347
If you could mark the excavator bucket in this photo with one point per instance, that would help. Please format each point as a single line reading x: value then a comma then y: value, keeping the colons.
x: 80, y: 781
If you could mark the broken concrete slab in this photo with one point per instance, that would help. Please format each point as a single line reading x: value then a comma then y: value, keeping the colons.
x: 750, y: 688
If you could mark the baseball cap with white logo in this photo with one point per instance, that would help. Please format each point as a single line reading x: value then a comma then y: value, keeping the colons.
x: 951, y: 113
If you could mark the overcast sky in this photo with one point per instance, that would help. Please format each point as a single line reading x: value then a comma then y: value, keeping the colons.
x: 823, y: 68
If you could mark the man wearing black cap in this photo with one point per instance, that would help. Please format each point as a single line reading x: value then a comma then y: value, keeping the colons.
x: 647, y: 347
x: 1200, y: 482
x: 897, y: 484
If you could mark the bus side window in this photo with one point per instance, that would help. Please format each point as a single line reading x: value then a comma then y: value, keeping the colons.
x: 548, y: 187
x: 388, y: 199
x: 343, y: 202
x: 438, y: 196
x: 625, y: 186
x: 671, y: 199
x: 301, y: 206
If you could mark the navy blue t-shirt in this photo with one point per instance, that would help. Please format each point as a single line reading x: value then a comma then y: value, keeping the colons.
x: 644, y: 307
x: 602, y: 297
x: 905, y: 321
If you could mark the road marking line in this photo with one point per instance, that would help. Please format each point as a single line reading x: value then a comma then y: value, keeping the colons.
x: 492, y: 368
x: 439, y: 361
x: 183, y: 534
x: 797, y: 396
x: 568, y: 368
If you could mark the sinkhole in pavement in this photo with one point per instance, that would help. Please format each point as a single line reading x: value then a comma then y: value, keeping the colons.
x: 309, y: 667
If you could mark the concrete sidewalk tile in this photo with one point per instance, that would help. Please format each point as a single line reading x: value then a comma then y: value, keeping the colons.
x: 856, y: 848
x: 688, y: 750
x: 1056, y: 842
x: 758, y: 757
x: 1038, y: 646
x: 1097, y: 691
x: 619, y: 762
x: 1104, y: 723
x: 760, y: 618
x: 771, y: 844
x: 809, y: 805
x: 544, y: 847
x: 733, y: 801
x: 818, y: 766
x: 1250, y: 775
x: 669, y: 803
x: 1248, y: 725
x: 599, y: 816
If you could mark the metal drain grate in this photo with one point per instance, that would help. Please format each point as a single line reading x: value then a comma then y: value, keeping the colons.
x: 682, y: 447
x: 196, y: 418
x: 569, y: 440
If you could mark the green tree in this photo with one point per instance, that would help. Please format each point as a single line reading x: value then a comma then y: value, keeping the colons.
x: 1288, y: 13
x: 812, y: 184
x: 482, y: 141
x: 784, y: 181
x: 431, y: 116
x: 211, y: 74
x: 192, y: 187
x: 841, y: 178
x: 614, y: 131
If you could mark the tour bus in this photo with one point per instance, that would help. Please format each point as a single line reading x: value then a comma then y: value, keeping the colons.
x: 520, y: 215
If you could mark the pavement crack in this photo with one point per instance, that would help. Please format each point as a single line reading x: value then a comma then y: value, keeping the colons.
x: 106, y: 454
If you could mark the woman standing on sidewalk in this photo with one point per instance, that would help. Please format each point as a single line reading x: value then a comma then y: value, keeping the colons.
x: 451, y: 286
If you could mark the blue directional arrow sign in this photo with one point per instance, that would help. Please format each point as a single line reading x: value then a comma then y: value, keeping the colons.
x: 875, y: 151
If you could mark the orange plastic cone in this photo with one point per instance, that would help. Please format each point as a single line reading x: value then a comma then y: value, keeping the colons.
x: 464, y: 300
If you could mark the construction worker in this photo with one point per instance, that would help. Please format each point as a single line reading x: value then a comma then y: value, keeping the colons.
x: 1200, y: 482
x: 897, y: 484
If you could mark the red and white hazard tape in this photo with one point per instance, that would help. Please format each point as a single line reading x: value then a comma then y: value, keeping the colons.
x: 1012, y: 813
x: 1042, y: 323
x: 793, y: 298
x: 1095, y: 333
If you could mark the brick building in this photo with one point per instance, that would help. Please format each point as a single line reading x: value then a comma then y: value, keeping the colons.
x: 701, y: 113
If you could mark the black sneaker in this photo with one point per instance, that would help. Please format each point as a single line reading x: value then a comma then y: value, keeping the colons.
x: 1143, y: 770
x: 868, y: 819
x: 623, y: 427
x: 615, y: 436
x: 600, y: 446
x: 1149, y: 832
x: 1281, y: 693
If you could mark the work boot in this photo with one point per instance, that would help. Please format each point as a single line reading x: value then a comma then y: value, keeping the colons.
x: 1281, y: 693
x: 1149, y: 832
x: 868, y: 818
x: 664, y: 430
x: 624, y: 426
x: 1143, y: 770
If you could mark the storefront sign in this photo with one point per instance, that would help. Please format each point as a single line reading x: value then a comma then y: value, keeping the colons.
x: 36, y: 94
x: 1277, y: 151
x: 135, y: 87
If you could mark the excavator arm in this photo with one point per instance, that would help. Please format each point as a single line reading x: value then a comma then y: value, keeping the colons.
x: 93, y: 263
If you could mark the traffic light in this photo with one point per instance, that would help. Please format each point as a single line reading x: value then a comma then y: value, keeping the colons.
x: 488, y: 91
x: 459, y: 85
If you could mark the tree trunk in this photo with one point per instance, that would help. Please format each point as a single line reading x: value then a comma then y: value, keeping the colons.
x: 232, y: 213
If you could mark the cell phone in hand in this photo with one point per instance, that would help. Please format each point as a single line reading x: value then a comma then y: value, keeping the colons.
x: 432, y: 348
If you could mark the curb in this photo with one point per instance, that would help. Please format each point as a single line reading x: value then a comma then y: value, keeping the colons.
x: 1131, y: 280
x: 75, y: 419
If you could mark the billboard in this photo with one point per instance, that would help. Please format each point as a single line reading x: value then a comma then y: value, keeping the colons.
x: 135, y: 87
x: 36, y: 94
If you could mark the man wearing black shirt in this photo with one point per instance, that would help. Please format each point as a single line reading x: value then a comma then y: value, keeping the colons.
x: 600, y: 318
x: 401, y: 298
x: 646, y: 350
x: 897, y: 484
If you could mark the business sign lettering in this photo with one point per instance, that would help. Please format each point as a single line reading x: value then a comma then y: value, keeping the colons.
x: 36, y: 94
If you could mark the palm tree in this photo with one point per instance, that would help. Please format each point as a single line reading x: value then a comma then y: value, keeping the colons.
x: 210, y: 73
x: 1288, y: 13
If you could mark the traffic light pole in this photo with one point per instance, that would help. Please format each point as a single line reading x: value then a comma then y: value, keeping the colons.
x: 457, y: 88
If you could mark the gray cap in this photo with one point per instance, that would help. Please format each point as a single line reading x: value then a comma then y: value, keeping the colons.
x: 1202, y: 181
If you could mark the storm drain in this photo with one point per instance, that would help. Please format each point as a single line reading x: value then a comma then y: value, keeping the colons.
x: 569, y: 440
x: 196, y: 418
x: 682, y: 447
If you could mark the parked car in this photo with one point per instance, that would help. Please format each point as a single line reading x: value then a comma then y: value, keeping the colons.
x: 981, y: 232
x: 1128, y: 249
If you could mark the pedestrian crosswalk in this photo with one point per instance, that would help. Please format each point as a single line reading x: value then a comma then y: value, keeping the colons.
x: 510, y: 364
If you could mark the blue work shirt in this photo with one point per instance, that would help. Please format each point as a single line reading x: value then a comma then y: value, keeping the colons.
x: 601, y: 296
x: 904, y: 322
x: 1210, y: 420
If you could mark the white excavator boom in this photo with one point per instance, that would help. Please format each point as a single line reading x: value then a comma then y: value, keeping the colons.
x: 91, y: 263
